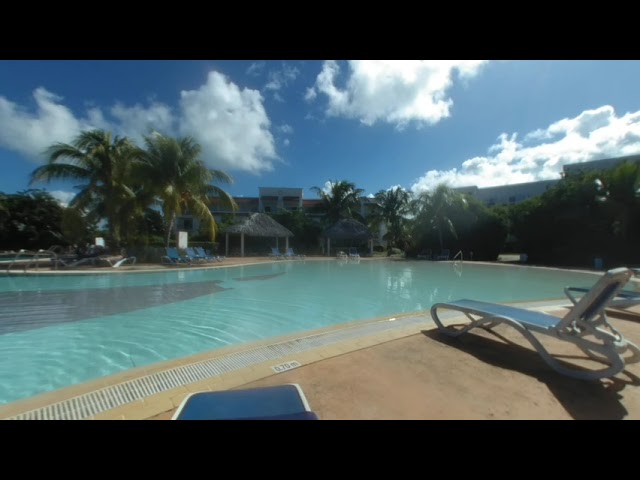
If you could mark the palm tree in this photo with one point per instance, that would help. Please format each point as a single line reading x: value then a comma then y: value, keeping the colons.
x: 342, y: 200
x: 101, y: 161
x: 181, y: 181
x: 433, y: 209
x: 393, y: 207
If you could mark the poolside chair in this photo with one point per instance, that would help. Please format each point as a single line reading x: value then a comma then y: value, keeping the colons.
x: 173, y: 258
x: 341, y: 255
x: 193, y: 255
x: 585, y: 325
x: 444, y: 255
x: 290, y: 254
x: 353, y: 252
x: 624, y: 298
x: 214, y: 258
x: 275, y: 253
x: 118, y: 262
x: 75, y: 261
x: 425, y: 254
x: 281, y: 402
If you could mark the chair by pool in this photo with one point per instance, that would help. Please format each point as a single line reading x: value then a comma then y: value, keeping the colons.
x: 173, y: 257
x: 585, y: 325
x: 280, y: 402
x: 213, y: 258
x: 291, y: 254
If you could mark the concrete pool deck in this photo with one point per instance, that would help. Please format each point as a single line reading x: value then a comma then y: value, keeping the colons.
x: 405, y: 370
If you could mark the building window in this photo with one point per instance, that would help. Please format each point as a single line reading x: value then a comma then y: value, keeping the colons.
x: 512, y: 199
x: 187, y: 224
x: 267, y: 209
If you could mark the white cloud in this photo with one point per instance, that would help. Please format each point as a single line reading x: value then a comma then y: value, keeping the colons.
x: 256, y: 68
x: 137, y: 121
x: 229, y: 122
x: 310, y: 94
x: 393, y: 91
x: 31, y: 133
x: 286, y: 142
x: 286, y: 129
x: 593, y: 134
x: 281, y: 78
x: 63, y: 197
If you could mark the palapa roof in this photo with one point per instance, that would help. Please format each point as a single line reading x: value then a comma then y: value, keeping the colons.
x: 348, y: 228
x: 260, y: 225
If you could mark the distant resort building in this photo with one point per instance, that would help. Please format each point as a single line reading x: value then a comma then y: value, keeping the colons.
x: 277, y: 199
x: 273, y: 200
x: 519, y: 192
x: 604, y: 164
x: 508, y: 194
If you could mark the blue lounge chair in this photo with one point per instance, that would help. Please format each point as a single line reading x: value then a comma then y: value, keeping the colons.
x: 281, y: 402
x: 275, y: 253
x: 444, y: 255
x: 353, y: 252
x: 213, y: 258
x: 173, y: 258
x: 193, y: 255
x: 585, y: 326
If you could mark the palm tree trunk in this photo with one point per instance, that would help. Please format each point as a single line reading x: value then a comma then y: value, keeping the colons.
x: 170, y: 227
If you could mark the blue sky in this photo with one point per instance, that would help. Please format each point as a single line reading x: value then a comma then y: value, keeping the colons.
x: 301, y: 123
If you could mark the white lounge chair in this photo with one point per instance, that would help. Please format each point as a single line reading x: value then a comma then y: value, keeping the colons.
x: 623, y: 299
x: 585, y: 326
x: 275, y: 253
x: 353, y: 252
x: 116, y: 263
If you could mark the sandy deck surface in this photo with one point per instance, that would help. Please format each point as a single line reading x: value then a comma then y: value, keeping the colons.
x: 478, y: 376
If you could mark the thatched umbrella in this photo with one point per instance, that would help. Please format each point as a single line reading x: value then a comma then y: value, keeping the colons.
x: 348, y: 229
x: 257, y: 225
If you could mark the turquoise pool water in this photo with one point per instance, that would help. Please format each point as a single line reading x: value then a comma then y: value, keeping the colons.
x: 59, y: 330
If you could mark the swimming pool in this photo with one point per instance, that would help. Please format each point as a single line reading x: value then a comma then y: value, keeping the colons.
x: 61, y: 330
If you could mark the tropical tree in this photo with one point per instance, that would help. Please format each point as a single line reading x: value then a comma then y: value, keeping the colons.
x: 393, y: 207
x: 181, y: 181
x: 104, y: 163
x: 434, y: 208
x: 341, y: 201
x: 32, y: 221
x: 619, y: 195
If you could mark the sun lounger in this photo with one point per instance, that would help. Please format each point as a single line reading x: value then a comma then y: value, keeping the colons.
x: 291, y: 254
x: 213, y: 258
x: 173, y: 258
x: 586, y: 326
x: 281, y: 402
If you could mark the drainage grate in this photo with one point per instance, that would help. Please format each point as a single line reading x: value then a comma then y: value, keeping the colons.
x: 89, y: 404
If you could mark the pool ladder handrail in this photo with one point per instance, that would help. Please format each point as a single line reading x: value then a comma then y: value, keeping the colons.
x: 458, y: 254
